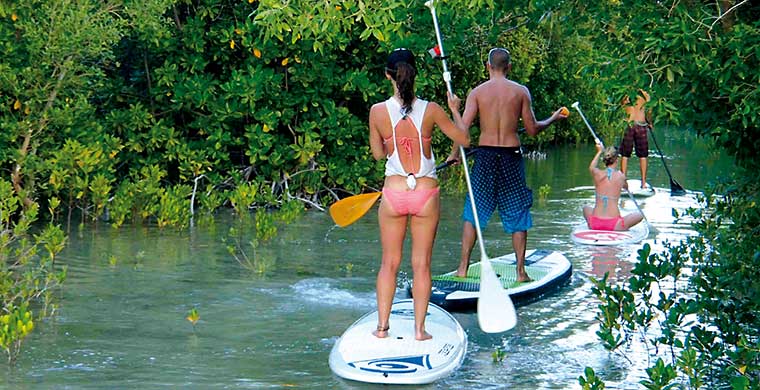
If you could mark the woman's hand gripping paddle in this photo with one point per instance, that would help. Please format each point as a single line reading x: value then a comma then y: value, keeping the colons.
x: 348, y: 210
x: 577, y: 106
x: 496, y: 313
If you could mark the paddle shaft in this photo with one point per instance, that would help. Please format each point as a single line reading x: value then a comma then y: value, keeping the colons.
x: 637, y: 206
x: 496, y: 313
x: 577, y: 106
x: 446, y: 73
x: 447, y: 79
x: 674, y: 186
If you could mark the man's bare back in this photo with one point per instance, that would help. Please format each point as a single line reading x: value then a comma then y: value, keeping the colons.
x: 499, y: 104
x: 636, y: 112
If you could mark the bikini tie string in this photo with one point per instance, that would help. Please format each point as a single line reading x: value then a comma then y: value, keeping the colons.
x: 411, y: 181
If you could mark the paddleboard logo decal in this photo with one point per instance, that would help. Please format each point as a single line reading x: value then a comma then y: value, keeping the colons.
x: 394, y: 365
x: 603, y: 235
x: 446, y: 349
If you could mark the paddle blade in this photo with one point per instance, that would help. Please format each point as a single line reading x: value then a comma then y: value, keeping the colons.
x: 496, y: 313
x: 676, y: 189
x: 347, y: 210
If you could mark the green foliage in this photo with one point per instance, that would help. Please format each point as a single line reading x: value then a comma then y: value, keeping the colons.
x: 193, y: 316
x: 28, y: 274
x: 175, y: 90
x: 590, y: 381
x: 695, y: 304
x: 14, y: 327
x: 138, y: 198
x: 80, y: 174
x: 242, y: 197
x: 543, y: 193
x: 498, y: 355
x: 696, y: 58
x: 174, y: 207
x: 249, y: 254
x: 281, y: 90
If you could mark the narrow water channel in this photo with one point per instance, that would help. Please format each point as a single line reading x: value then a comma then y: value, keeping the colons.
x: 121, y: 322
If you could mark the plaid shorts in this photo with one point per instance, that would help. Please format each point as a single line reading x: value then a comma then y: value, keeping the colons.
x: 635, y: 135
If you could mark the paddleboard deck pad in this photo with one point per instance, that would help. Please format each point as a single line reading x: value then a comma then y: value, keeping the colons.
x: 635, y: 187
x: 548, y: 269
x: 583, y: 235
x: 399, y: 358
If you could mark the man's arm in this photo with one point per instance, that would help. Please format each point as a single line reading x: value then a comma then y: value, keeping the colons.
x: 533, y: 127
x: 464, y: 121
x: 647, y: 110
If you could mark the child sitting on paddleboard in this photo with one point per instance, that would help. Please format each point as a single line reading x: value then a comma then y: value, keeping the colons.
x: 608, y: 184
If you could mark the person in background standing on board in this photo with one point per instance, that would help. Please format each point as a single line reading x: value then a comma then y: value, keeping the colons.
x: 498, y: 175
x: 608, y: 184
x: 639, y: 121
x: 401, y: 130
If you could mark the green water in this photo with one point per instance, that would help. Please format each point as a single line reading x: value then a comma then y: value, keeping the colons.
x: 121, y: 323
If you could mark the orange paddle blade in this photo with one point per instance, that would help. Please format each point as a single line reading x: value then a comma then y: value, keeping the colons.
x: 347, y: 210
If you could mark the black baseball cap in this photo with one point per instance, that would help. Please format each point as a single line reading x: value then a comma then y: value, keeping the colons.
x: 399, y: 55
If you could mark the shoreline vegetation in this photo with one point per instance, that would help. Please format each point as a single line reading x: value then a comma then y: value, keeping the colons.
x: 163, y: 112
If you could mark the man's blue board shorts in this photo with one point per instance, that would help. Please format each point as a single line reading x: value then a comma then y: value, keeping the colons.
x: 498, y: 180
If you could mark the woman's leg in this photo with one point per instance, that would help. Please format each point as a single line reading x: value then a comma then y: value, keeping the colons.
x: 424, y: 227
x: 587, y: 211
x: 392, y: 232
x: 632, y: 219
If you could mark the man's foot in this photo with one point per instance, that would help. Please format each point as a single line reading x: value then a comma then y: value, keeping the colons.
x: 381, y: 332
x: 422, y: 336
x: 644, y: 185
x: 523, y: 278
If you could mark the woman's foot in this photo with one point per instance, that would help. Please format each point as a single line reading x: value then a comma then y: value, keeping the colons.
x: 422, y: 336
x: 381, y: 332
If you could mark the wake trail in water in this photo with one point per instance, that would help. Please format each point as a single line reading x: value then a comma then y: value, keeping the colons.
x: 329, y: 292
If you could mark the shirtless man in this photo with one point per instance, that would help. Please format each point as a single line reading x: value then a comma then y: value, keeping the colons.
x: 498, y: 175
x: 636, y: 134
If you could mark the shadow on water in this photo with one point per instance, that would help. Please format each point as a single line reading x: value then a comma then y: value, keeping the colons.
x: 122, y: 318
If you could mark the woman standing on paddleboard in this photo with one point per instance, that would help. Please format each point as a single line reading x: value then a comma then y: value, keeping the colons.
x: 401, y: 130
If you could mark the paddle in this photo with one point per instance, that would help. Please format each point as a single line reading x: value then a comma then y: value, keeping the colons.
x: 348, y: 210
x: 496, y: 313
x: 675, y: 188
x: 577, y: 106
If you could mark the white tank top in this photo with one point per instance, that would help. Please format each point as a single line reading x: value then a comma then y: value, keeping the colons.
x: 393, y: 166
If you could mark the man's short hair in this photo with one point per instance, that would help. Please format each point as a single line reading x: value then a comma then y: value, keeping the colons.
x: 499, y: 59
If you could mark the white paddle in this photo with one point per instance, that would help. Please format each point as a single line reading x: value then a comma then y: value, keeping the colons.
x: 496, y: 313
x: 577, y: 106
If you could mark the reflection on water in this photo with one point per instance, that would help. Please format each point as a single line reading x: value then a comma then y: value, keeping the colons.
x: 122, y: 320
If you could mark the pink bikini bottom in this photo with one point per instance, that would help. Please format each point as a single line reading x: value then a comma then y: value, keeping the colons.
x: 409, y: 202
x: 600, y: 223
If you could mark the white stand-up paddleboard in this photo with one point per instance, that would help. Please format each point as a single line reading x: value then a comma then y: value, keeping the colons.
x: 399, y: 358
x: 634, y: 186
x: 583, y: 235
